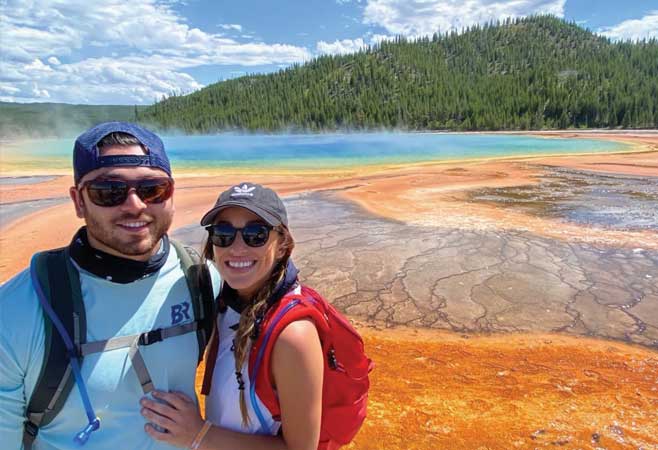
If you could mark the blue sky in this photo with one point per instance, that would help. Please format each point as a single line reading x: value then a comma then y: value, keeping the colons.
x: 134, y: 52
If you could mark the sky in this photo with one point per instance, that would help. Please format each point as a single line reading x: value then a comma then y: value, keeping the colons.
x: 137, y: 51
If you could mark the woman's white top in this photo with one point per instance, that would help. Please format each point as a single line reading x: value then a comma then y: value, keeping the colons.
x: 223, y: 401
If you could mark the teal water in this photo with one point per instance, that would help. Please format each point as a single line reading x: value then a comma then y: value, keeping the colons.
x: 314, y: 151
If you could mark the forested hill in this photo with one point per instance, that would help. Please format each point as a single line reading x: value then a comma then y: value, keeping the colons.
x: 530, y: 73
x: 57, y: 119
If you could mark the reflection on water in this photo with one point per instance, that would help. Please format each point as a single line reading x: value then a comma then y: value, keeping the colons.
x: 600, y: 200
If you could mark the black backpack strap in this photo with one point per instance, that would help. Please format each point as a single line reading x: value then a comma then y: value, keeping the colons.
x: 199, y: 283
x: 60, y: 282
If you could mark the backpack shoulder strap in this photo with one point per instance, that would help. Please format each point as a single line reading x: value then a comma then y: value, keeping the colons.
x: 60, y: 282
x: 290, y: 308
x: 211, y: 360
x: 199, y: 283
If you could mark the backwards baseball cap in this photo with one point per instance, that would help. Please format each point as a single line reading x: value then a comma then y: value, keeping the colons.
x: 86, y: 154
x: 262, y: 201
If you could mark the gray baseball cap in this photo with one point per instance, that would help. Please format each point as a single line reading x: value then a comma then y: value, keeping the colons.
x: 262, y: 201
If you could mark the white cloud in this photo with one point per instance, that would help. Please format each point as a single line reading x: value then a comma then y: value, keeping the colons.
x: 346, y: 46
x: 340, y: 47
x: 152, y: 42
x: 423, y: 17
x: 6, y: 89
x: 37, y: 66
x: 39, y: 93
x: 231, y: 26
x: 635, y: 29
x: 97, y: 80
x: 377, y: 38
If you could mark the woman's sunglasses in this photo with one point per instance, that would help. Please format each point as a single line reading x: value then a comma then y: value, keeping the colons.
x: 114, y: 192
x: 253, y: 234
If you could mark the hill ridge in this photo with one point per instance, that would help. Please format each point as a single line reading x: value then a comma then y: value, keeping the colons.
x: 531, y: 73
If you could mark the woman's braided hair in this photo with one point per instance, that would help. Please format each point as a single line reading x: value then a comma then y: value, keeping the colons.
x: 255, y: 310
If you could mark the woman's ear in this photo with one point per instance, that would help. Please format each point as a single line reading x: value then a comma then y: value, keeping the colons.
x: 280, y: 251
x: 281, y: 246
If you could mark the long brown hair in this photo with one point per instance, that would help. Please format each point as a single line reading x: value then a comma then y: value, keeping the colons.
x: 255, y: 308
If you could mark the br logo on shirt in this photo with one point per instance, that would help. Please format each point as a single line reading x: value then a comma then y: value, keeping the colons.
x: 180, y: 312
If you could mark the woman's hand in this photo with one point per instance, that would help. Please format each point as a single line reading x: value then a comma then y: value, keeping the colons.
x: 179, y: 416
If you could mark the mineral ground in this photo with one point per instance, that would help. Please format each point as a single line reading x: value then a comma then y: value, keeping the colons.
x: 393, y: 274
x: 506, y: 304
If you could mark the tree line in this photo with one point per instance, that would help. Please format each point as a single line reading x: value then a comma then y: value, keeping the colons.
x: 37, y: 120
x: 530, y: 73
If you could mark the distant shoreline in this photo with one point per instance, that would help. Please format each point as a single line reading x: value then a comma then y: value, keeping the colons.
x: 29, y: 179
x: 604, y: 131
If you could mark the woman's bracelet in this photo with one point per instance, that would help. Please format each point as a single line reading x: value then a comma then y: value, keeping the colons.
x: 200, y: 435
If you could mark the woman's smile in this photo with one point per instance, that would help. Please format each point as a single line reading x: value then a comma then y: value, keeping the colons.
x: 245, y: 268
x: 240, y: 265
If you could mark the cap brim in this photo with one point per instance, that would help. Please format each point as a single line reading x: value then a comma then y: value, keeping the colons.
x: 209, y: 217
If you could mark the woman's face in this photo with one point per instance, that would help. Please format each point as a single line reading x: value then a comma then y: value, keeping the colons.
x: 246, y: 269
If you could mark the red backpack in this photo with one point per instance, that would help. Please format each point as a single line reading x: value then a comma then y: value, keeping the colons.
x: 346, y: 366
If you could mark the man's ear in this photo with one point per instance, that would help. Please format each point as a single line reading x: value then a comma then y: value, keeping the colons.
x: 173, y: 206
x: 78, y: 202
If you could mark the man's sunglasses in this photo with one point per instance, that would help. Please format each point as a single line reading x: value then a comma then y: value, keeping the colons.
x: 115, y: 192
x: 253, y: 234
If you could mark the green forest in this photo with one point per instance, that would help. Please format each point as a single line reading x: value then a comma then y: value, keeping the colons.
x: 532, y: 73
x: 57, y: 119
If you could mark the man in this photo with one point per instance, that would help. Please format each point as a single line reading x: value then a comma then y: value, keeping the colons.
x: 131, y: 281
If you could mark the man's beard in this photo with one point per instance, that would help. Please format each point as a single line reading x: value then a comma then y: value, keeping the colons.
x: 138, y: 246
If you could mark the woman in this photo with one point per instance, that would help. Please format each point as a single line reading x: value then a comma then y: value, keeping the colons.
x: 250, y: 244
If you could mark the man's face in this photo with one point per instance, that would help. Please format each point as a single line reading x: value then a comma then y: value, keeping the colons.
x: 132, y: 229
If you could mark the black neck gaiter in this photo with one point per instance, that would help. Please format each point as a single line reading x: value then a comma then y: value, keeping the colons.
x: 115, y: 268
